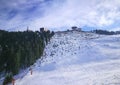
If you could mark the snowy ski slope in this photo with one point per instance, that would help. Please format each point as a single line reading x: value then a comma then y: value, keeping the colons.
x: 77, y: 58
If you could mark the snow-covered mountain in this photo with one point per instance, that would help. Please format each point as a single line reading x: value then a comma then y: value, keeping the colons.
x: 77, y: 58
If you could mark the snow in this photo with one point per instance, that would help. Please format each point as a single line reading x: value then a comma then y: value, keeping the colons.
x: 77, y: 58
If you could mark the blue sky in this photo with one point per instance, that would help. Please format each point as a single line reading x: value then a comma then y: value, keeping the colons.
x: 59, y: 14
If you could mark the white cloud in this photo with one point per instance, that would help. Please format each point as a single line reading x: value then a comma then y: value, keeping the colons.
x: 94, y: 13
x: 91, y: 13
x: 115, y: 29
x: 104, y: 21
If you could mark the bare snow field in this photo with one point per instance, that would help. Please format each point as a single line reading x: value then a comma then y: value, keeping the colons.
x: 77, y: 58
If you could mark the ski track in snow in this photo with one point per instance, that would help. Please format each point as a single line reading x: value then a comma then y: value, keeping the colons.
x: 77, y: 58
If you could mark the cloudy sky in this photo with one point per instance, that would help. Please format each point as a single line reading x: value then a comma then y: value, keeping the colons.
x: 59, y: 14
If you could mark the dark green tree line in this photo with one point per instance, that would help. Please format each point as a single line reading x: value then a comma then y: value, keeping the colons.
x: 105, y: 32
x: 18, y: 50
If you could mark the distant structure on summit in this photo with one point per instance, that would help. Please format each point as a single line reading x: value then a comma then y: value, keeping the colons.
x: 28, y: 30
x: 75, y: 28
x: 43, y: 29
